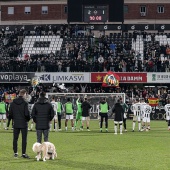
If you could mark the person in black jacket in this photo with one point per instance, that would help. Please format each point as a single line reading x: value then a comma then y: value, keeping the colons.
x: 85, y: 113
x: 118, y: 118
x: 20, y: 114
x: 42, y: 114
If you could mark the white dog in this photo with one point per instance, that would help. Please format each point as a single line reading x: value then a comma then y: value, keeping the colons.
x: 47, y: 149
x: 37, y: 149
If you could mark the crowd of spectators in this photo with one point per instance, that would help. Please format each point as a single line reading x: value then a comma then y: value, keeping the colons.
x: 132, y: 92
x: 83, y: 52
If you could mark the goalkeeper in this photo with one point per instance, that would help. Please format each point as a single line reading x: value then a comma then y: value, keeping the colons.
x: 79, y: 113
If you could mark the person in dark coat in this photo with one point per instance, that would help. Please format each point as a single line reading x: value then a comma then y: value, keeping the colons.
x: 19, y: 112
x: 42, y: 114
x: 85, y: 113
x: 118, y: 118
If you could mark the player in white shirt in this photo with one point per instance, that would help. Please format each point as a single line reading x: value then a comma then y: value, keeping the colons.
x: 147, y: 109
x: 167, y: 110
x: 55, y: 107
x: 136, y: 108
x: 142, y: 107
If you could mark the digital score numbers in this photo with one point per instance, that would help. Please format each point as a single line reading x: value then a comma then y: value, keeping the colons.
x: 95, y: 13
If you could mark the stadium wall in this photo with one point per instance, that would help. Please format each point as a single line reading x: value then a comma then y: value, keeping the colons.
x: 57, y: 11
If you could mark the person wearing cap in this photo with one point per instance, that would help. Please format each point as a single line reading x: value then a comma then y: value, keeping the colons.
x: 85, y: 113
x: 104, y: 108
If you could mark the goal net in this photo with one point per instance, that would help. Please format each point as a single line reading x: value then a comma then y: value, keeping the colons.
x: 93, y: 98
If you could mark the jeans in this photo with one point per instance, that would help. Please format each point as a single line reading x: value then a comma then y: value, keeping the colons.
x: 39, y: 135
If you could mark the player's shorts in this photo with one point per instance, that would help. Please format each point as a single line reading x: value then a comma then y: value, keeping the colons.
x: 136, y: 118
x: 86, y: 118
x: 69, y: 117
x: 118, y: 122
x: 78, y: 116
x: 146, y: 119
x: 3, y: 116
x: 56, y: 117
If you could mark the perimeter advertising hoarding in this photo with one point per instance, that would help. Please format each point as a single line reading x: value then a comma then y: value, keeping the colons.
x: 127, y: 77
x: 159, y: 77
x: 64, y: 77
x: 15, y: 77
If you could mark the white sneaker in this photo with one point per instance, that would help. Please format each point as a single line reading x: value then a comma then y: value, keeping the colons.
x: 88, y: 130
x: 121, y: 133
x: 59, y: 129
x: 115, y: 133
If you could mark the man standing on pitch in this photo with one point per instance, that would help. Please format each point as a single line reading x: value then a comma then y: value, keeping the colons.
x: 104, y: 108
x: 118, y: 118
x: 20, y: 114
x: 85, y: 113
x: 79, y: 113
x: 69, y: 110
x: 42, y: 114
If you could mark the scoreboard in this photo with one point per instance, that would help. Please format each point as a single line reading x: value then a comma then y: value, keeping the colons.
x: 95, y: 13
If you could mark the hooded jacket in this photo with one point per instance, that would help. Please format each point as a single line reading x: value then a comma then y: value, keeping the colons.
x: 85, y: 108
x: 118, y: 110
x: 19, y: 112
x: 42, y: 113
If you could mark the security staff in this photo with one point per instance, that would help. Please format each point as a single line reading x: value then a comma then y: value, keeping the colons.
x: 104, y: 108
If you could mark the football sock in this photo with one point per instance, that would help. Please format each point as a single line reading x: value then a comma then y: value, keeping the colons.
x: 134, y: 125
x: 4, y: 124
x: 55, y: 126
x: 115, y: 129
x: 139, y: 125
x: 120, y: 128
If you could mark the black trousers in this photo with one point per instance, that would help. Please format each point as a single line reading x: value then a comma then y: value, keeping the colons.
x: 39, y: 135
x: 106, y: 120
x: 9, y: 120
x: 124, y: 123
x: 59, y: 121
x: 16, y: 133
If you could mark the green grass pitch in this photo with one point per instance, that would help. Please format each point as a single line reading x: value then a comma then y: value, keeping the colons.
x: 95, y: 150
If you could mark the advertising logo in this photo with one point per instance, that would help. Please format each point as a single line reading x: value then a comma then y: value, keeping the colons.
x: 45, y: 77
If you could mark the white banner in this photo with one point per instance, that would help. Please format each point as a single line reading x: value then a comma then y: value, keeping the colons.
x: 158, y: 77
x: 64, y: 77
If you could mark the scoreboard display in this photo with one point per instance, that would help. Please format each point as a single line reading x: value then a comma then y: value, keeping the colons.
x: 95, y: 13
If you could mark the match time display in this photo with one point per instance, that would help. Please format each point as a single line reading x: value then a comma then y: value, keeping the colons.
x: 95, y: 13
